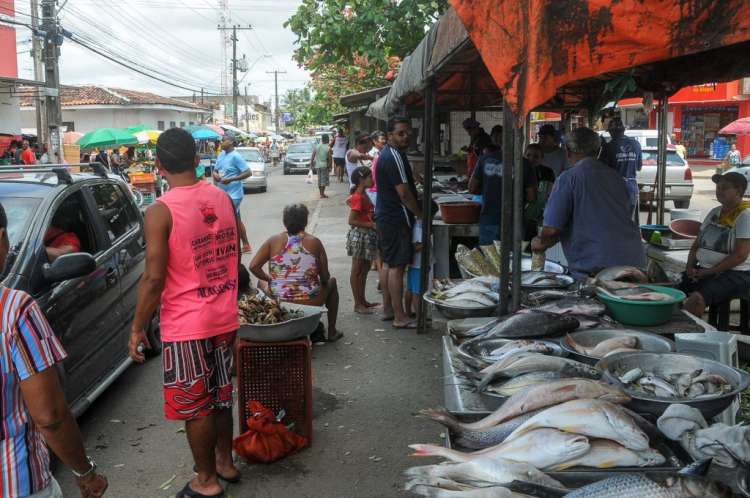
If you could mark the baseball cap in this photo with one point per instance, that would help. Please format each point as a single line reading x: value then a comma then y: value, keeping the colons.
x: 737, y: 180
x: 547, y: 129
x: 470, y: 123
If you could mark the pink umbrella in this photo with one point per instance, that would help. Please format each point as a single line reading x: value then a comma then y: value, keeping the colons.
x: 739, y: 127
x: 217, y: 129
x: 71, y: 137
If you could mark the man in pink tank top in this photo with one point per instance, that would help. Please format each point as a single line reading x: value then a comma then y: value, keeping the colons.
x: 192, y: 260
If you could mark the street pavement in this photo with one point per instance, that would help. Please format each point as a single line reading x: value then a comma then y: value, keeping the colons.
x: 366, y: 388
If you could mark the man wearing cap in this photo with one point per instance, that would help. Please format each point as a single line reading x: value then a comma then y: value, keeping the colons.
x: 479, y: 141
x: 228, y: 174
x: 623, y: 154
x: 555, y: 157
x: 718, y: 268
x: 587, y: 212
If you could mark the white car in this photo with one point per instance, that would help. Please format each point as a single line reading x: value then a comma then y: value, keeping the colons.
x: 254, y: 159
x: 679, y: 183
x: 647, y: 138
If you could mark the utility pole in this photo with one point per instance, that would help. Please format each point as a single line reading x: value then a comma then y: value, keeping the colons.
x: 36, y: 52
x: 52, y: 42
x: 235, y: 89
x: 276, y: 91
x: 247, y: 113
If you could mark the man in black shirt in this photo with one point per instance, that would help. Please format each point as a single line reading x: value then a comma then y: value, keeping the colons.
x: 395, y: 210
x: 479, y: 142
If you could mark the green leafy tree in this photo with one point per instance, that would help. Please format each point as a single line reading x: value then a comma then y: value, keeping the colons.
x: 350, y: 46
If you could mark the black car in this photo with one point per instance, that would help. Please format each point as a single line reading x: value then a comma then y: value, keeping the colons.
x: 89, y: 297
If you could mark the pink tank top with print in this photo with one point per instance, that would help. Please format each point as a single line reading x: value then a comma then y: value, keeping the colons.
x: 200, y: 293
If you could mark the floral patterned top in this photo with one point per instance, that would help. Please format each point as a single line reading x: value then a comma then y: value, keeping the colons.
x: 294, y: 272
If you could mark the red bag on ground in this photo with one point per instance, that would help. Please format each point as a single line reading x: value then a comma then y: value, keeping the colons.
x: 266, y: 440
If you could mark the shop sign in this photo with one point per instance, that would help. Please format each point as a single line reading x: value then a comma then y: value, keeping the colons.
x: 704, y: 88
x: 8, y: 60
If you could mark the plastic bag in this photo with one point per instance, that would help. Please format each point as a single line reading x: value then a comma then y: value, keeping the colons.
x: 309, y: 177
x: 266, y: 439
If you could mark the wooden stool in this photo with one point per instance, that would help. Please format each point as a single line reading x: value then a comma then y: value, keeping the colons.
x: 718, y: 315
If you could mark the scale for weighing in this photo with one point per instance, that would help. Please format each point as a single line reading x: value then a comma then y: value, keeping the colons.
x: 671, y: 244
x: 717, y: 346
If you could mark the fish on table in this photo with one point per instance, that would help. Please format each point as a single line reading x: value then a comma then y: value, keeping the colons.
x: 640, y: 486
x: 533, y: 324
x: 606, y: 454
x: 521, y: 382
x: 445, y: 488
x: 524, y: 363
x: 541, y: 448
x: 542, y: 396
x: 573, y: 306
x: 593, y: 418
x: 628, y: 274
x: 694, y: 384
x: 602, y: 348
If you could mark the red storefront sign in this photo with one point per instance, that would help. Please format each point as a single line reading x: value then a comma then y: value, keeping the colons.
x: 8, y: 60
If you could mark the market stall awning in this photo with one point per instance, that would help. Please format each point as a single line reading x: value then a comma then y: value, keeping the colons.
x: 535, y: 48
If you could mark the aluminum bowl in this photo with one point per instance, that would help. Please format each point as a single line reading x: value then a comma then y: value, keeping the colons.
x: 475, y: 351
x: 647, y: 342
x: 293, y: 329
x: 449, y: 311
x: 671, y: 363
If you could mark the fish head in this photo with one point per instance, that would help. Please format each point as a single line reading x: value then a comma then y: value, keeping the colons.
x: 566, y: 444
x: 651, y: 457
x: 613, y: 394
x: 697, y: 487
x: 623, y: 427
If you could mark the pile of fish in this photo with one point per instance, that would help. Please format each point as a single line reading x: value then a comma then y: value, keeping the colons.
x: 625, y: 282
x: 484, y: 260
x: 544, y: 279
x: 553, y: 426
x: 525, y: 369
x: 620, y: 344
x: 471, y: 293
x: 530, y: 323
x: 640, y: 486
x: 693, y: 385
x: 258, y: 309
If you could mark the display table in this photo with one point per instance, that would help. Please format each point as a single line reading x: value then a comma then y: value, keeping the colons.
x: 442, y: 234
x: 672, y: 262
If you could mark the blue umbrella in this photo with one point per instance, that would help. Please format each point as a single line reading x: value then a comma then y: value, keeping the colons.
x: 203, y: 133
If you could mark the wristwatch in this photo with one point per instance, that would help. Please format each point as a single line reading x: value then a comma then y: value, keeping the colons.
x: 90, y: 471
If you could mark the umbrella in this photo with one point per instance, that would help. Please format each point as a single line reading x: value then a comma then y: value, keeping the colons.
x: 739, y: 127
x: 142, y: 137
x: 153, y: 135
x: 232, y: 129
x: 71, y: 137
x: 136, y: 128
x: 107, y: 137
x: 203, y: 132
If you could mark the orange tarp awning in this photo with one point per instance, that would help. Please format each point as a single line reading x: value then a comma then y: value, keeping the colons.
x: 532, y: 48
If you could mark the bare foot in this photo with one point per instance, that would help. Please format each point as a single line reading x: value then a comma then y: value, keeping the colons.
x: 362, y: 310
x: 324, y: 196
x: 372, y: 305
x: 207, y: 488
x: 227, y: 470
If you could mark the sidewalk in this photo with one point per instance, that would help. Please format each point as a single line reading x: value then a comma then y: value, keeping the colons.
x: 366, y: 388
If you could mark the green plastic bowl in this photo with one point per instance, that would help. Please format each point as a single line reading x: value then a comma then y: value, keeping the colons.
x: 644, y: 313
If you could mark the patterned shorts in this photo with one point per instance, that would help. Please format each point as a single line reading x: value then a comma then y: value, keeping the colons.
x: 323, y: 177
x: 197, y: 376
x: 362, y: 243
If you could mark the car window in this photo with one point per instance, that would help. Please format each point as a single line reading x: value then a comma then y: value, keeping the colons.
x: 19, y: 211
x: 673, y: 159
x: 250, y: 155
x: 114, y: 209
x: 299, y: 148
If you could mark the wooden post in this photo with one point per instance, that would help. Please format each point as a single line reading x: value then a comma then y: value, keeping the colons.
x: 429, y: 148
x: 661, y: 161
x: 506, y: 225
x: 519, y: 197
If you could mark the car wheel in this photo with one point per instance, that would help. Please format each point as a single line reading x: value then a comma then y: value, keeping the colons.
x: 264, y: 189
x: 286, y: 171
x: 153, y: 334
x: 682, y: 204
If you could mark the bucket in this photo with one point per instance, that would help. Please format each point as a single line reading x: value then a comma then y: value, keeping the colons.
x: 686, y: 214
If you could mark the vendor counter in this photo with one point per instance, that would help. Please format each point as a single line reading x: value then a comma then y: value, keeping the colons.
x: 673, y: 262
x: 445, y: 238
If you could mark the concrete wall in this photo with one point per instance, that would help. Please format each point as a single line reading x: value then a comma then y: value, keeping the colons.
x: 85, y: 120
x: 10, y: 117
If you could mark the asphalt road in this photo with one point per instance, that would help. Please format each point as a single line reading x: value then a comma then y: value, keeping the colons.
x: 366, y: 388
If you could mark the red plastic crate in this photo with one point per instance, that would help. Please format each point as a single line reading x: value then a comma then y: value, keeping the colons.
x: 279, y: 375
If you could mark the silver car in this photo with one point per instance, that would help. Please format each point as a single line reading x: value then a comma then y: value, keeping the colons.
x: 254, y: 159
x: 679, y: 182
x: 298, y: 158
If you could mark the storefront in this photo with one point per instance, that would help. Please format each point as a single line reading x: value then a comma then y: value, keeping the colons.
x: 700, y: 125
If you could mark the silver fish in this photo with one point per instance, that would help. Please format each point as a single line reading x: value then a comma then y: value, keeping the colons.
x: 477, y: 439
x: 573, y: 306
x: 469, y: 297
x: 534, y: 324
x: 516, y: 384
x: 589, y: 417
x: 631, y: 375
x: 657, y: 382
x: 600, y: 349
x: 621, y: 274
x: 640, y: 486
x: 605, y: 454
x: 444, y: 488
x: 535, y: 362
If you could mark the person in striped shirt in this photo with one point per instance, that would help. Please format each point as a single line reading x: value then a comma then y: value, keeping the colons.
x: 35, y: 414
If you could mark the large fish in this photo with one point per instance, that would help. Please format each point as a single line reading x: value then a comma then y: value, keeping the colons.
x: 621, y: 274
x: 640, y: 486
x: 541, y: 448
x: 544, y: 395
x: 517, y: 384
x: 604, y: 347
x: 535, y: 362
x: 477, y: 331
x: 594, y: 418
x: 444, y: 488
x: 497, y: 470
x: 477, y: 439
x: 534, y: 324
x: 605, y: 454
x: 573, y: 306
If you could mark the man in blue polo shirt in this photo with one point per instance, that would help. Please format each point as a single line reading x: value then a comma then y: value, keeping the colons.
x: 229, y: 172
x: 589, y: 212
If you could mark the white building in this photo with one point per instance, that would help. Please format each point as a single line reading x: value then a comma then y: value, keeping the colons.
x: 86, y: 108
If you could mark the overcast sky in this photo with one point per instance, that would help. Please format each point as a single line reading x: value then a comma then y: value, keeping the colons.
x: 177, y: 38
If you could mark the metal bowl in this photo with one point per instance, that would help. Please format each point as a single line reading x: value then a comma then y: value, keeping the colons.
x: 667, y: 364
x: 296, y: 328
x: 461, y: 312
x: 477, y: 350
x: 647, y: 342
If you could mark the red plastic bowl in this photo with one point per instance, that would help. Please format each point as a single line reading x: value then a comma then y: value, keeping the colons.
x: 685, y: 228
x: 460, y: 213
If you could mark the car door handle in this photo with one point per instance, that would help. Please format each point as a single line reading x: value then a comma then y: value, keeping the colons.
x: 111, y: 276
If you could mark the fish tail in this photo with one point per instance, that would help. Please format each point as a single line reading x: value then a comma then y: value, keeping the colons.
x: 434, y: 450
x: 421, y: 472
x: 486, y: 380
x: 429, y: 490
x: 440, y: 415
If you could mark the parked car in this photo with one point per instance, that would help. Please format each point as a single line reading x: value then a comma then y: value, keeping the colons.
x: 298, y: 158
x: 744, y: 169
x: 679, y: 181
x: 647, y: 138
x: 88, y: 297
x: 257, y: 164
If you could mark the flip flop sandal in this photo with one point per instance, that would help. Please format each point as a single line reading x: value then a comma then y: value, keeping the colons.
x: 188, y: 492
x: 410, y: 325
x: 336, y: 337
x: 233, y: 480
x: 387, y: 318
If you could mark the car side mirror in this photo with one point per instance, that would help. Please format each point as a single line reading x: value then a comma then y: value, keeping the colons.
x: 67, y: 266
